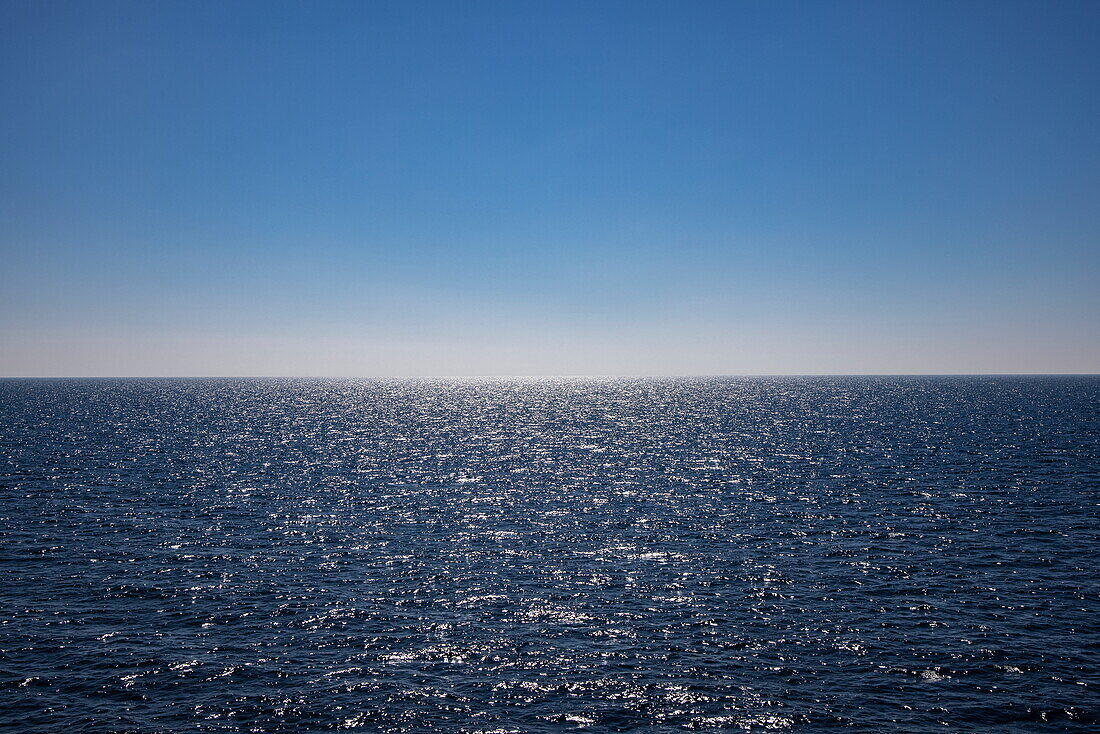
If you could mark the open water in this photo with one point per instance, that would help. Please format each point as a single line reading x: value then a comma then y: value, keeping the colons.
x: 654, y: 555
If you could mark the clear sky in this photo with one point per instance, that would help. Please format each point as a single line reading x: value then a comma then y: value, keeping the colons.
x: 468, y: 188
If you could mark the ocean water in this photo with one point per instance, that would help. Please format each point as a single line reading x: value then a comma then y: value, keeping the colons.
x: 654, y: 555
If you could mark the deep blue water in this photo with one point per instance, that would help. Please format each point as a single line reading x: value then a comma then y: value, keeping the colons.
x: 873, y: 554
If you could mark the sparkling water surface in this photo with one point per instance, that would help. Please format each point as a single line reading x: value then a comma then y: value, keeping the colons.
x: 797, y: 554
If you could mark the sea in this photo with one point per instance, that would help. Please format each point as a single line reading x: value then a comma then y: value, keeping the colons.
x: 802, y: 554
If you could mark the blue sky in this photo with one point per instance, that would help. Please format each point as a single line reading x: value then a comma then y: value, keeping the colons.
x: 467, y: 188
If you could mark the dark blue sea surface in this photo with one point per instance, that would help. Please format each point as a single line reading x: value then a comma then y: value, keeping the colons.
x: 656, y: 555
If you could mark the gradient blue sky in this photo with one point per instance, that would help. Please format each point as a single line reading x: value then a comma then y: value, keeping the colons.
x: 453, y: 188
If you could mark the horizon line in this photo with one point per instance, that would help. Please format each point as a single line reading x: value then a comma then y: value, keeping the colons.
x: 550, y: 376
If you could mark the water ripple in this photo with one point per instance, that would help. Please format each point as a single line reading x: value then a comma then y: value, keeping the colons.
x: 802, y: 554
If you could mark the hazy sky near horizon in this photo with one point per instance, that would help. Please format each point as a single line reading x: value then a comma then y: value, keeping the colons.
x: 478, y: 188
